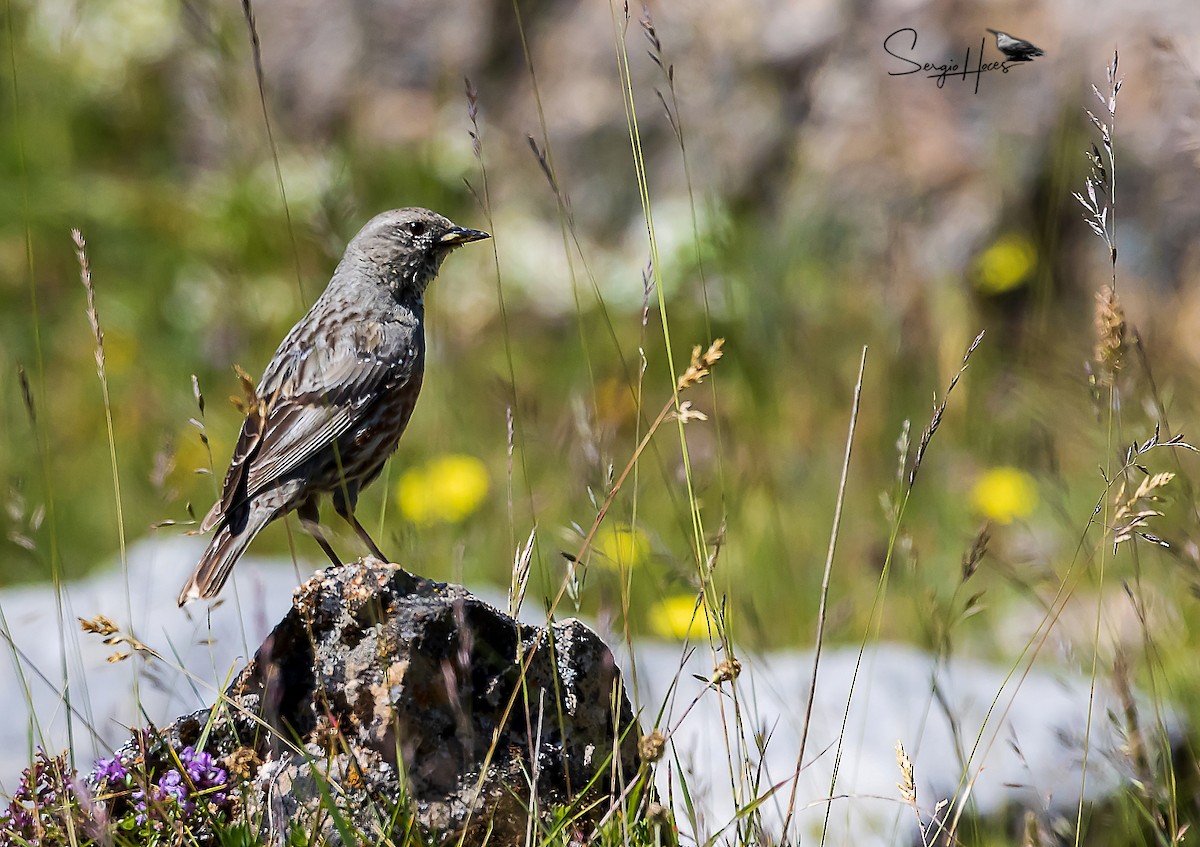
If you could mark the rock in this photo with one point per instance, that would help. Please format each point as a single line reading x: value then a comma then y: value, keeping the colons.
x: 404, y: 692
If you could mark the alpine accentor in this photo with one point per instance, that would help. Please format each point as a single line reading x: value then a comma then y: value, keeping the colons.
x: 336, y: 396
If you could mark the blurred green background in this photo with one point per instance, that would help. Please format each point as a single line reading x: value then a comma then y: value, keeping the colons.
x: 807, y: 203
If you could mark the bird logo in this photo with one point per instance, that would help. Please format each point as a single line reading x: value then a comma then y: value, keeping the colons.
x: 1016, y: 49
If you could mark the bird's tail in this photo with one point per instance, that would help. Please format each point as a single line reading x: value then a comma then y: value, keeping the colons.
x: 222, y: 554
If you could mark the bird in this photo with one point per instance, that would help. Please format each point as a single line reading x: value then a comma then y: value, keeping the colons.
x: 336, y: 396
x: 1016, y: 49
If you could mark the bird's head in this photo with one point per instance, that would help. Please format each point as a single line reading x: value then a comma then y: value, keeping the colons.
x: 408, y: 246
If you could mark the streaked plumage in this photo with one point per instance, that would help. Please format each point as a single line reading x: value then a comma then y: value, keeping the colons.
x: 337, y: 395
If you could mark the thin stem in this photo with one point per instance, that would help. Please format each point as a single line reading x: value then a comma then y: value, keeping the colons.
x: 822, y: 607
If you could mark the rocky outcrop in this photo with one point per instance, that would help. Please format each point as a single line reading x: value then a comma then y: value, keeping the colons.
x: 383, y: 700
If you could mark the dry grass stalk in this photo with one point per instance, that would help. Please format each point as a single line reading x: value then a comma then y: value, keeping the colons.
x: 727, y: 671
x: 249, y: 399
x: 199, y: 424
x: 701, y: 364
x: 1101, y: 205
x: 1133, y: 512
x: 939, y: 409
x: 1111, y: 330
x: 907, y: 784
x: 520, y: 574
x: 101, y: 625
x: 652, y: 746
x: 472, y: 94
x: 543, y: 160
x: 1135, y: 742
x: 699, y: 368
x: 656, y: 55
x: 976, y: 552
x: 85, y: 275
x: 260, y: 79
x: 908, y: 792
x: 687, y: 413
x: 111, y: 634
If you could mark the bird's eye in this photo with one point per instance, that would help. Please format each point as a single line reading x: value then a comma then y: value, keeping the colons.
x: 417, y: 228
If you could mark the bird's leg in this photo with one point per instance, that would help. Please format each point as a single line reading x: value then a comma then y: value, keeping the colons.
x: 344, y: 506
x: 362, y: 533
x: 310, y: 519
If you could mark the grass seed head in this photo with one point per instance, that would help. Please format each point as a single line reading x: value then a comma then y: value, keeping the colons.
x: 701, y: 364
x: 907, y: 783
x: 1111, y: 328
x: 652, y: 746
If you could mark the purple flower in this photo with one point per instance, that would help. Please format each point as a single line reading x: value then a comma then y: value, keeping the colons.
x: 202, y: 769
x: 196, y: 785
x: 111, y: 769
x: 170, y: 791
x: 18, y: 819
x: 171, y: 784
x: 46, y: 800
x: 171, y: 787
x: 139, y: 806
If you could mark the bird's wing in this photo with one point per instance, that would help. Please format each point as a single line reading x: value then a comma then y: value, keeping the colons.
x: 310, y: 395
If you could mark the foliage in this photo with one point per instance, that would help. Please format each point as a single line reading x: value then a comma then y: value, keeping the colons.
x: 54, y: 806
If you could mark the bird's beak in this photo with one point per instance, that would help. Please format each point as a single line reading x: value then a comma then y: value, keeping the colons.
x: 458, y: 235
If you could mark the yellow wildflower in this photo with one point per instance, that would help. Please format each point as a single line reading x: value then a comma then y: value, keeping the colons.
x: 1004, y: 494
x: 446, y: 489
x: 1005, y: 265
x: 678, y: 617
x: 622, y: 546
